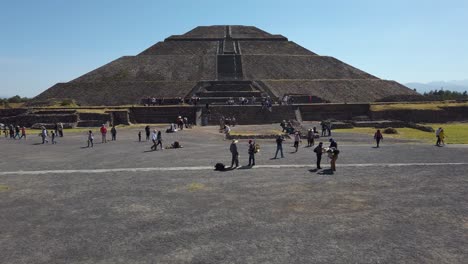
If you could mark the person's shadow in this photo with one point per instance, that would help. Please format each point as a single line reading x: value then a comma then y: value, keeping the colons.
x: 326, y: 172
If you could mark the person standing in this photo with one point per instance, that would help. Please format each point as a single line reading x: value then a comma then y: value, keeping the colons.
x: 310, y: 138
x: 53, y: 134
x: 113, y: 133
x: 104, y: 133
x: 251, y: 152
x: 226, y: 131
x: 318, y: 152
x: 60, y: 129
x: 234, y: 153
x: 90, y: 139
x: 333, y: 143
x: 297, y: 139
x: 148, y: 132
x: 442, y: 137
x: 139, y: 136
x: 44, y: 135
x: 378, y: 137
x: 56, y: 128
x: 333, y: 155
x: 154, y: 138
x: 279, y: 146
x: 438, y: 136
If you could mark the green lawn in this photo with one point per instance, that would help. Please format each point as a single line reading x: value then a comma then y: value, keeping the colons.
x: 415, y: 106
x: 456, y: 133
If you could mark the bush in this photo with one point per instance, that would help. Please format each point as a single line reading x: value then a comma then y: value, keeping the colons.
x: 390, y: 130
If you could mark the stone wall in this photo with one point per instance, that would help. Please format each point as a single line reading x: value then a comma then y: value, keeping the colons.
x: 447, y: 114
x: 249, y: 114
x: 333, y: 111
x: 166, y: 114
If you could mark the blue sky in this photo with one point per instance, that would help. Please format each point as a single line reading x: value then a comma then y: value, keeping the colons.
x: 49, y: 41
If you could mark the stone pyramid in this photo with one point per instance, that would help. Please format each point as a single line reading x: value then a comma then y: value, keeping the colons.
x: 219, y: 62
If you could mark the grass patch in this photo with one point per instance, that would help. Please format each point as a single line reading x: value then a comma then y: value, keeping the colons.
x: 456, y: 133
x: 3, y: 188
x: 436, y: 106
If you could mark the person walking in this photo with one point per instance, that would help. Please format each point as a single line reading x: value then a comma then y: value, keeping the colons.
x: 154, y: 138
x: 17, y: 132
x: 310, y: 138
x: 90, y: 139
x: 104, y: 133
x: 251, y: 152
x: 56, y: 128
x: 234, y: 153
x: 226, y: 131
x: 438, y: 136
x: 318, y: 152
x: 159, y: 140
x: 297, y: 139
x: 378, y: 137
x: 12, y: 132
x: 114, y: 133
x: 279, y: 146
x: 52, y: 135
x: 148, y: 132
x: 44, y: 135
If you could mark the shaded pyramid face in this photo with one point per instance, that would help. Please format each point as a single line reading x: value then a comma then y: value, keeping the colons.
x: 219, y: 62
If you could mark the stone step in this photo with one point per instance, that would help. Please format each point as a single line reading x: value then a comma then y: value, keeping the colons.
x: 234, y: 94
x: 244, y: 87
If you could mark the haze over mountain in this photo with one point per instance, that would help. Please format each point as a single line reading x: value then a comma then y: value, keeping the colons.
x: 455, y: 85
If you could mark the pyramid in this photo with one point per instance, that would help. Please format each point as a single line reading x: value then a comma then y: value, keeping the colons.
x: 219, y: 62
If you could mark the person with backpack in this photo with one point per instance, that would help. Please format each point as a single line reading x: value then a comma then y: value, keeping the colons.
x: 251, y: 152
x: 318, y: 152
x: 234, y: 153
x: 378, y: 137
x: 279, y: 146
x: 333, y: 155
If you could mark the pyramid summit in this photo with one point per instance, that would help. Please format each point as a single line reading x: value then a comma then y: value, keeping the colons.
x: 219, y: 62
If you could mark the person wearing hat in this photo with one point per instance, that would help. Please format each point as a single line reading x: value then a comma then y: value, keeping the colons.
x: 235, y: 153
x: 318, y: 152
x: 251, y: 153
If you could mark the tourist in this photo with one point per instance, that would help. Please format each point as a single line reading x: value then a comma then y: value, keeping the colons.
x: 56, y: 128
x: 154, y: 138
x: 139, y: 136
x: 60, y: 129
x: 234, y: 153
x: 52, y: 136
x: 113, y: 133
x: 148, y: 132
x: 279, y: 146
x: 333, y: 155
x: 226, y: 131
x: 12, y: 132
x: 44, y: 135
x: 333, y: 143
x: 329, y: 128
x: 324, y: 128
x: 318, y: 152
x: 315, y: 131
x: 159, y: 139
x: 17, y: 132
x: 5, y: 131
x: 90, y: 139
x: 438, y: 136
x: 104, y: 133
x: 297, y: 139
x: 283, y: 125
x: 310, y: 138
x: 378, y: 137
x: 23, y: 133
x: 442, y: 137
x: 251, y: 152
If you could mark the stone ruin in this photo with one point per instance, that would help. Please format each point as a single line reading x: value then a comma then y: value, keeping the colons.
x: 216, y: 63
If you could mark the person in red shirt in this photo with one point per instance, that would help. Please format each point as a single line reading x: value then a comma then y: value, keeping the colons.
x: 104, y: 133
x: 23, y: 133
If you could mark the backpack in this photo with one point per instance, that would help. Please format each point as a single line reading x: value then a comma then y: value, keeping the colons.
x: 219, y: 166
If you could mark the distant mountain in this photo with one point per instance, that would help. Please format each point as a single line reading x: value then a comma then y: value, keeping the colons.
x: 457, y: 85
